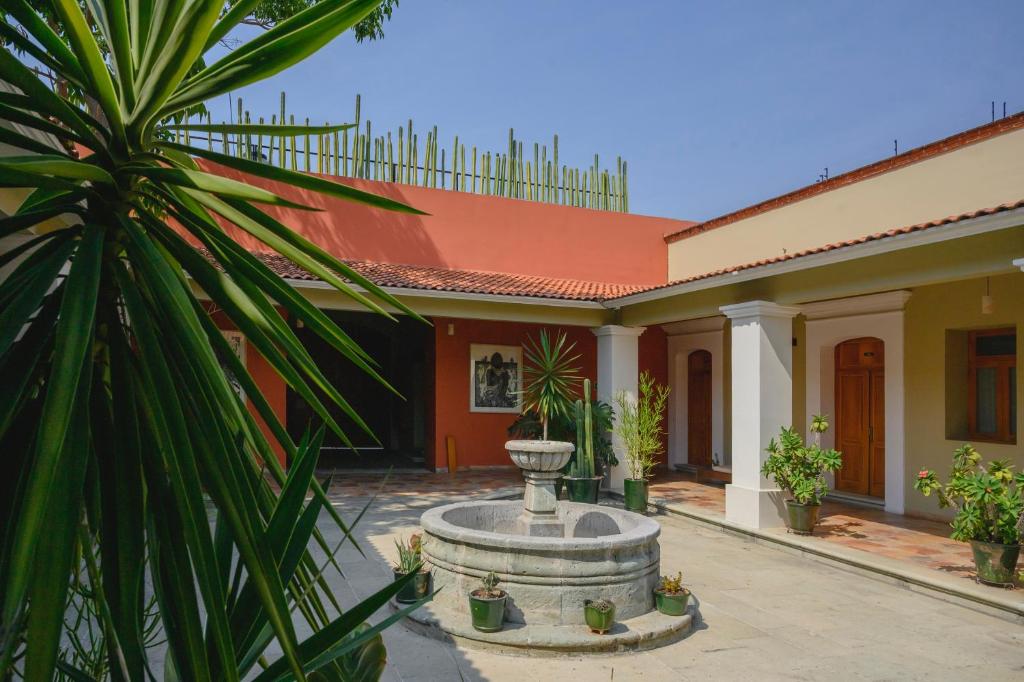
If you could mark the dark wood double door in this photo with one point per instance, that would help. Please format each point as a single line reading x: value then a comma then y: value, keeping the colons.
x: 698, y: 409
x: 860, y: 416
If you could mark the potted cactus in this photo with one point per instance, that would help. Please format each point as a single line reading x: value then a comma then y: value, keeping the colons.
x: 582, y: 481
x: 639, y: 427
x: 410, y: 560
x: 599, y: 614
x: 487, y: 604
x: 989, y: 511
x: 800, y: 470
x: 670, y: 596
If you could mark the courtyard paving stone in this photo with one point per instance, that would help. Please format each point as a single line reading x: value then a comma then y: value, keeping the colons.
x: 763, y: 614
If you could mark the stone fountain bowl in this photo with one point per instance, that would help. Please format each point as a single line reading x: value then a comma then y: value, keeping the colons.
x: 539, y: 455
x: 606, y: 553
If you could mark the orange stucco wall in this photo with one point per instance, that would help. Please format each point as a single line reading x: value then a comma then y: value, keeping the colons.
x: 480, y: 437
x: 270, y: 383
x: 466, y: 231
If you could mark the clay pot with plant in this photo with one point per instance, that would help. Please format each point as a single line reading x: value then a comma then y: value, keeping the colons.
x: 800, y: 470
x: 410, y: 560
x: 599, y: 614
x: 639, y: 427
x: 670, y: 597
x: 581, y: 479
x: 988, y: 511
x: 487, y: 604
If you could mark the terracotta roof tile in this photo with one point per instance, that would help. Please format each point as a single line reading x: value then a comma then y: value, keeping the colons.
x: 428, y: 278
x: 839, y: 245
x: 932, y: 149
x: 464, y: 281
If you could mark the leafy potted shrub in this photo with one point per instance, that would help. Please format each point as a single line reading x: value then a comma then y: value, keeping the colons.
x: 487, y: 604
x: 800, y: 470
x: 549, y: 383
x: 989, y: 510
x: 599, y: 614
x: 582, y: 480
x: 410, y: 560
x: 639, y: 427
x: 670, y: 596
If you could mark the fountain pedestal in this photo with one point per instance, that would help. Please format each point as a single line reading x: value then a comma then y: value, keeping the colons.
x: 540, y: 461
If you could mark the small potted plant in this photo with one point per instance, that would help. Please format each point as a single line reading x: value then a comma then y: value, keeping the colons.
x: 599, y: 614
x: 988, y: 511
x: 639, y: 428
x: 410, y: 560
x: 670, y: 596
x: 800, y: 470
x: 487, y: 604
x: 581, y: 479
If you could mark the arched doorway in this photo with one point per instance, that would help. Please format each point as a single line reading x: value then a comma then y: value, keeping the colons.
x: 860, y: 416
x: 698, y: 408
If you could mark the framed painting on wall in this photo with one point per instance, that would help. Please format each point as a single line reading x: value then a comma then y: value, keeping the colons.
x: 495, y: 378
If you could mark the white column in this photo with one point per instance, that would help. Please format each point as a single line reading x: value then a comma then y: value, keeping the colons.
x: 762, y: 403
x: 617, y: 370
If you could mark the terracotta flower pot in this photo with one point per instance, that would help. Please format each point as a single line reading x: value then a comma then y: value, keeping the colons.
x: 634, y: 495
x: 996, y: 564
x: 415, y: 589
x: 488, y: 613
x: 598, y: 621
x: 583, y: 489
x: 671, y: 604
x: 802, y: 517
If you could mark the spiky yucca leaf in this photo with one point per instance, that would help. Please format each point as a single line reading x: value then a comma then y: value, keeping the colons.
x: 116, y: 414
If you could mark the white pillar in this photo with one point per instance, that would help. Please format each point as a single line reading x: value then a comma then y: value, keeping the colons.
x: 762, y: 403
x: 617, y: 370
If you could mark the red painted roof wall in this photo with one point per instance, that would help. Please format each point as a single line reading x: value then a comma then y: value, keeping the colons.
x: 472, y: 232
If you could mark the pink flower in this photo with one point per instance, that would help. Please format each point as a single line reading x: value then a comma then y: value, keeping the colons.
x: 923, y: 473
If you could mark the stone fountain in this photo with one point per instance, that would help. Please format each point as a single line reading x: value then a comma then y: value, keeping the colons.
x: 550, y: 557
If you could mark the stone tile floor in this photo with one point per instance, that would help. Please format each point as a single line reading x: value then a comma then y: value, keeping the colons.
x: 920, y: 542
x: 763, y: 614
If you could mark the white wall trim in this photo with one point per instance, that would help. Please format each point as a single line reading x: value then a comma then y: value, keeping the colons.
x: 617, y: 330
x: 821, y: 338
x: 758, y: 310
x: 679, y: 348
x: 856, y: 305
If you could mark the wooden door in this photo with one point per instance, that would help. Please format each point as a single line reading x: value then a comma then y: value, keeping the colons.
x: 698, y: 408
x: 860, y: 416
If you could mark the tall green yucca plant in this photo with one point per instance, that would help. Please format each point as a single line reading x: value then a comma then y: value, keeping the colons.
x: 116, y: 415
x: 549, y: 378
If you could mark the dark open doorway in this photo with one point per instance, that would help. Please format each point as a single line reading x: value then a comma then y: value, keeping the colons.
x: 405, y: 353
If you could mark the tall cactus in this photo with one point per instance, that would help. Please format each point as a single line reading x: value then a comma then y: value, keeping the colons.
x: 583, y: 464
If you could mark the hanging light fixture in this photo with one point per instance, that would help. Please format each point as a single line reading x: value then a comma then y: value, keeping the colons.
x: 986, y: 299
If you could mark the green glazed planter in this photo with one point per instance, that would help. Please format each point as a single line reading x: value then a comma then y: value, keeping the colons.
x: 671, y: 604
x: 802, y: 517
x: 996, y: 563
x: 415, y: 589
x: 583, y: 489
x: 488, y: 613
x: 635, y: 495
x: 598, y: 621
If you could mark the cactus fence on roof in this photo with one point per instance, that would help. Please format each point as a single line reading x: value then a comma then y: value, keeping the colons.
x: 359, y: 153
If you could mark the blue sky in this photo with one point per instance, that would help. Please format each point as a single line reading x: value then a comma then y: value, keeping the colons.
x: 715, y: 105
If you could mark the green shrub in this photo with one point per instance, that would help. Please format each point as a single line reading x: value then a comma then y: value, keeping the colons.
x: 800, y: 469
x: 986, y: 499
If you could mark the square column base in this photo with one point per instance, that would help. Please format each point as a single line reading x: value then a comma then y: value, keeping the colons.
x: 754, y: 508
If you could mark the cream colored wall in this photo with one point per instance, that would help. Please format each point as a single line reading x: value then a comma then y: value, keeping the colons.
x: 982, y: 175
x: 930, y: 313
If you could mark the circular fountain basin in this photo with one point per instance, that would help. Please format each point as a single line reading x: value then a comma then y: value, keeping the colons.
x: 605, y: 553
